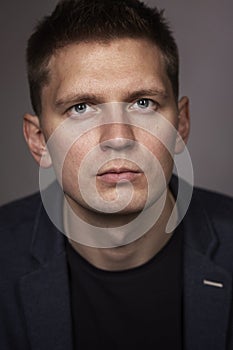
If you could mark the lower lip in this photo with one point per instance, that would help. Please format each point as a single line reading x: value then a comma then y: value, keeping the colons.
x: 116, y: 177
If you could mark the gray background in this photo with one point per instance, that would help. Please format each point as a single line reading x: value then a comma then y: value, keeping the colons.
x: 204, y: 32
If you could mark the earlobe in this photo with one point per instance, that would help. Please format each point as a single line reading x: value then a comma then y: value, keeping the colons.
x: 183, y: 125
x: 35, y: 140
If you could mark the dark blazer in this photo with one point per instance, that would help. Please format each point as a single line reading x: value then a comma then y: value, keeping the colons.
x: 34, y: 287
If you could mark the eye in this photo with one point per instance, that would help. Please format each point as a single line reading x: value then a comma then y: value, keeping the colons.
x: 145, y: 104
x: 80, y: 109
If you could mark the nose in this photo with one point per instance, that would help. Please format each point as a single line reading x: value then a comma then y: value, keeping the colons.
x: 117, y: 137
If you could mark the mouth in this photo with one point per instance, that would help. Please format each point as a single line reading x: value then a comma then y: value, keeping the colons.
x: 116, y: 174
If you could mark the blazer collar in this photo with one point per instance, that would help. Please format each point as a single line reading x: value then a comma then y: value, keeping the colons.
x: 199, y: 232
x: 47, y: 240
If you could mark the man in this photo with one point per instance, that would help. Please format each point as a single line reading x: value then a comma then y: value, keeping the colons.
x: 130, y: 271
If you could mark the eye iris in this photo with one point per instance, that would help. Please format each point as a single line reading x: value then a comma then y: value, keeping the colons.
x: 80, y: 108
x: 143, y: 103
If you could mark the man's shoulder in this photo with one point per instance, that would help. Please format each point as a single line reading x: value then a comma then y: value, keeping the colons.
x: 17, y: 221
x: 218, y: 211
x: 213, y: 204
x: 20, y: 211
x: 217, y: 205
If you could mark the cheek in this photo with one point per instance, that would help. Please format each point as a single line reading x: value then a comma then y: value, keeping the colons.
x: 73, y: 160
x: 76, y: 156
x: 161, y: 145
x: 67, y: 149
x: 162, y: 151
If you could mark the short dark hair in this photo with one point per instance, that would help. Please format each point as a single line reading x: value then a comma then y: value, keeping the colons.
x: 74, y: 21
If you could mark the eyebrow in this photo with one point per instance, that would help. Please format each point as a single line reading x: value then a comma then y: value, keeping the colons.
x: 74, y: 98
x: 147, y: 92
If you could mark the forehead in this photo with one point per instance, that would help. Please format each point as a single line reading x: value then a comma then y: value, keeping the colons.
x: 111, y: 68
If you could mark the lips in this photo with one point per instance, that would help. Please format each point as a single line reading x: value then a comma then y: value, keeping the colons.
x: 116, y: 174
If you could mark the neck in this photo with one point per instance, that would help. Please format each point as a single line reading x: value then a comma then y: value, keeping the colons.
x: 129, y: 255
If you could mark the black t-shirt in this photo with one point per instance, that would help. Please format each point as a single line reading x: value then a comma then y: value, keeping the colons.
x: 139, y: 308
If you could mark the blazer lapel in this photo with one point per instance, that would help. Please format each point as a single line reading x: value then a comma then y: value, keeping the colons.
x: 45, y: 298
x: 207, y: 286
x: 206, y: 304
x: 45, y: 292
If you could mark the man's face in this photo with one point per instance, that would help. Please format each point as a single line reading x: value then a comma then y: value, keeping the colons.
x: 116, y: 81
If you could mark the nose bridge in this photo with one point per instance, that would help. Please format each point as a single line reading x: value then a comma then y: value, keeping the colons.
x: 117, y: 133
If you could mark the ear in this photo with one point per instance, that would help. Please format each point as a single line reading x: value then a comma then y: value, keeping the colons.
x: 35, y: 140
x: 183, y: 127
